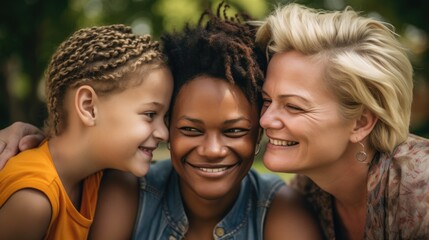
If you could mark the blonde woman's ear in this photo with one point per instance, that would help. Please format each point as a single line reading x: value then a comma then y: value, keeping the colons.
x: 363, y: 125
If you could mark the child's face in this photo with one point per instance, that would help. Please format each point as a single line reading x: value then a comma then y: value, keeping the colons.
x: 130, y: 124
x: 213, y: 133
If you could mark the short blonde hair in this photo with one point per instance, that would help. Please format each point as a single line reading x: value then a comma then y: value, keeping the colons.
x: 366, y: 66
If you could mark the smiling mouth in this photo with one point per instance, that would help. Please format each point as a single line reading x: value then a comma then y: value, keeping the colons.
x: 277, y: 142
x: 147, y: 150
x: 212, y: 169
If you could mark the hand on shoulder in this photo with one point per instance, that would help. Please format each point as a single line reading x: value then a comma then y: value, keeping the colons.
x: 18, y: 137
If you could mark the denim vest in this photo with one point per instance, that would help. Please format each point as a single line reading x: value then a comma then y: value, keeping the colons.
x: 161, y: 213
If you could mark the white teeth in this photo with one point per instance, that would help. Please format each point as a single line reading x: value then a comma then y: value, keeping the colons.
x: 282, y: 142
x: 213, y: 170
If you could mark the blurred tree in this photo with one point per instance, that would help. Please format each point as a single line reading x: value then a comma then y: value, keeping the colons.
x: 29, y: 32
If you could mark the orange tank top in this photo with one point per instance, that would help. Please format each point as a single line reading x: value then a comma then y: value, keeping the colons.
x: 34, y: 169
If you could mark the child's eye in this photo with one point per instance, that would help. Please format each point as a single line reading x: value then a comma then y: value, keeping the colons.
x: 150, y: 115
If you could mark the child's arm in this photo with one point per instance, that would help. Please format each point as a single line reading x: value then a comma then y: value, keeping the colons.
x: 25, y: 215
x: 117, y: 206
x: 289, y: 217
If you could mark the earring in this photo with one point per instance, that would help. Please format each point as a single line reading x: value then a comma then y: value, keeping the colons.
x: 168, y: 146
x: 258, y: 148
x: 361, y: 155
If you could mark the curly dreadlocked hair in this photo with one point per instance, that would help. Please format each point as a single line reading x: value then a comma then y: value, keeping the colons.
x: 222, y: 47
x: 100, y: 57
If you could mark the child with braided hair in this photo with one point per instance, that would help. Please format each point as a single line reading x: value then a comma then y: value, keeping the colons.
x: 108, y: 91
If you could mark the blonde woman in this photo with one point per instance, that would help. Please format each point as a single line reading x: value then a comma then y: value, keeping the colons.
x: 337, y: 105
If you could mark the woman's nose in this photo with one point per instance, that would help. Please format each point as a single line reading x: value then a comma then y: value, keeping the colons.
x: 270, y: 119
x: 213, y: 147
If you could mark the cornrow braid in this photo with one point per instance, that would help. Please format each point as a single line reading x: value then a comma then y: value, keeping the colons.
x: 219, y: 46
x: 99, y: 57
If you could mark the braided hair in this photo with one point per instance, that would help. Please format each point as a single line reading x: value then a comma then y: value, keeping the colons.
x: 221, y: 47
x: 100, y: 57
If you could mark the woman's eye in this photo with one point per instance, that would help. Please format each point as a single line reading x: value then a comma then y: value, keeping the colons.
x: 294, y: 108
x: 266, y: 102
x: 190, y: 131
x: 236, y: 132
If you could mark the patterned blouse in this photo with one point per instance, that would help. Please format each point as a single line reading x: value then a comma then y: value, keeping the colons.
x: 398, y: 194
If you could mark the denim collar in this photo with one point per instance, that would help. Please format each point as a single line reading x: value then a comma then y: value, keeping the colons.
x: 236, y: 218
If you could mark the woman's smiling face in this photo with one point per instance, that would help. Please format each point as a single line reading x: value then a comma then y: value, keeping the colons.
x: 301, y: 117
x: 213, y: 133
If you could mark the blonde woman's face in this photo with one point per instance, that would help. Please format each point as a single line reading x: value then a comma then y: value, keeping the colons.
x: 301, y: 117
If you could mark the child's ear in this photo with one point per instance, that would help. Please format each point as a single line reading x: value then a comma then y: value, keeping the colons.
x: 363, y: 126
x: 85, y: 103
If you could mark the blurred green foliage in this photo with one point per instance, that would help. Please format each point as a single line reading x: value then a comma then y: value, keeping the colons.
x: 30, y: 30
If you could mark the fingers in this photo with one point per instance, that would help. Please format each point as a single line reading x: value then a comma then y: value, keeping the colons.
x: 28, y: 129
x: 7, y: 151
x: 2, y: 145
x: 31, y: 137
x: 9, y: 144
x: 10, y: 140
x: 30, y: 141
